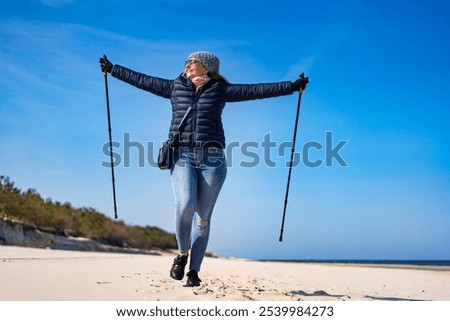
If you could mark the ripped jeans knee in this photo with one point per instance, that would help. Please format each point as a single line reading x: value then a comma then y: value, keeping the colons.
x: 201, y: 222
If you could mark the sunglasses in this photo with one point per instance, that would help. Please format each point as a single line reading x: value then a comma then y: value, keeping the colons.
x: 192, y: 61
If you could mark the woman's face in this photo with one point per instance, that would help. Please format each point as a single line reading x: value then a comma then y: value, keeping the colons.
x: 194, y: 69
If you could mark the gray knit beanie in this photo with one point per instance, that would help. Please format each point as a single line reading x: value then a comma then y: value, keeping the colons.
x: 209, y: 60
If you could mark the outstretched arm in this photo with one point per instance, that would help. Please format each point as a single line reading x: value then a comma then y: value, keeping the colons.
x: 158, y: 86
x: 237, y: 92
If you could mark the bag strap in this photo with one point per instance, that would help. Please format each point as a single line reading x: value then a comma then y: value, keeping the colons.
x: 184, y: 118
x: 196, y: 98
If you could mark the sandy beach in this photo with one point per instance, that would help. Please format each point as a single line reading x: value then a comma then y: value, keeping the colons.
x: 28, y: 274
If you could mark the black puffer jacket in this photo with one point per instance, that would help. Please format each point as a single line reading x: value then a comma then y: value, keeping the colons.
x: 203, y: 126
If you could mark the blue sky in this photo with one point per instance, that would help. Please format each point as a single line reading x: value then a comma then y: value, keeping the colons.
x: 379, y: 82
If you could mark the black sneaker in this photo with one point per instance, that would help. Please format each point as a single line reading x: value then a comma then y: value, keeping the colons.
x: 193, y: 279
x: 177, y: 270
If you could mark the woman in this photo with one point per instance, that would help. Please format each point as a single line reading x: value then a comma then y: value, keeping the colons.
x: 199, y: 167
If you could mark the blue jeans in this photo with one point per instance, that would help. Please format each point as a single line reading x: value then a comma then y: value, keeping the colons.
x: 197, y: 178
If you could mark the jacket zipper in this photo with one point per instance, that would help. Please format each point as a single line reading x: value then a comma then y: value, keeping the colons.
x: 194, y: 116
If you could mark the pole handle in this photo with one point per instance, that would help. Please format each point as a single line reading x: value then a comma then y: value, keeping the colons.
x: 104, y: 68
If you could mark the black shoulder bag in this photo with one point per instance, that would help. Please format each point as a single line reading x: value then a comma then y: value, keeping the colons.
x: 167, y: 151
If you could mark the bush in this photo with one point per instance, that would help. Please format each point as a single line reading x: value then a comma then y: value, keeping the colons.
x: 29, y: 207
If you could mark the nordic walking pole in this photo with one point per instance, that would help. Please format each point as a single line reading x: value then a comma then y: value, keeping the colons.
x: 105, y: 73
x: 304, y: 82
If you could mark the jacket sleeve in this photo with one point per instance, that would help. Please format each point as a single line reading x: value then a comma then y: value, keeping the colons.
x: 236, y: 92
x: 158, y: 86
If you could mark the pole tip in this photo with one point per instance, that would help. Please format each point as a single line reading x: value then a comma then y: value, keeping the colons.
x: 281, y: 238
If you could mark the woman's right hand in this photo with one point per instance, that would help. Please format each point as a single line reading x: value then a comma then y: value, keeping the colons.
x: 105, y: 64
